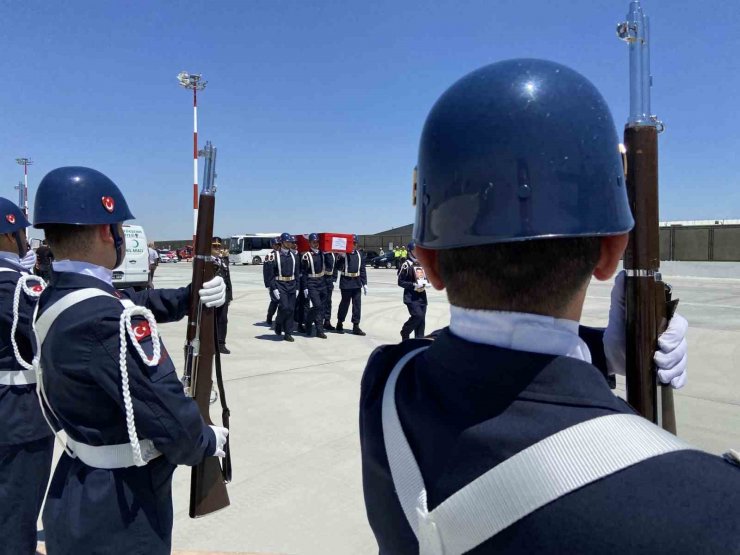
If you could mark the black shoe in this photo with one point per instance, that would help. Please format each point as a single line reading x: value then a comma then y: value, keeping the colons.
x: 288, y: 338
x: 269, y: 321
x: 321, y: 334
x: 404, y: 337
x: 223, y: 350
x: 328, y: 326
x: 340, y: 328
x: 357, y: 331
x: 278, y: 330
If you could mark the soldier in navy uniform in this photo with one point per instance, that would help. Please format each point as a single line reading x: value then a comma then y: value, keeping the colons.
x: 221, y: 264
x: 352, y: 283
x: 518, y: 213
x: 330, y: 278
x: 108, y: 381
x: 313, y: 285
x: 284, y: 285
x: 26, y: 442
x: 412, y: 278
x: 268, y: 273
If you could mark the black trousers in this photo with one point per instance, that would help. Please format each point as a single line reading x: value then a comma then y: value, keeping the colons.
x: 222, y: 322
x: 300, y: 308
x: 273, y: 306
x: 24, y: 474
x: 315, y: 314
x: 416, y: 321
x: 355, y: 296
x: 327, y: 301
x: 286, y: 309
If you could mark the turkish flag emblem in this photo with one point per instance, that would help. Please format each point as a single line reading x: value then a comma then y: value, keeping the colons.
x: 10, y: 218
x: 142, y: 331
x: 108, y: 203
x: 38, y: 288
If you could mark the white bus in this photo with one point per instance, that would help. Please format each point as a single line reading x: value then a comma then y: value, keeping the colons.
x: 251, y: 248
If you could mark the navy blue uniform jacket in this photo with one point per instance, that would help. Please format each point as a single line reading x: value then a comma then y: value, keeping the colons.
x: 407, y: 280
x: 90, y: 510
x: 466, y: 407
x: 20, y: 415
x: 352, y: 263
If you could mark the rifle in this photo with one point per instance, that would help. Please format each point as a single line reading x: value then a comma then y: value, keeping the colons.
x: 209, y: 478
x: 648, y: 299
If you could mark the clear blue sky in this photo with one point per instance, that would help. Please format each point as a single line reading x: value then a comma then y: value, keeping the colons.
x: 316, y: 107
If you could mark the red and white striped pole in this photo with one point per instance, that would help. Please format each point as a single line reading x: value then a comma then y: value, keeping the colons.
x: 196, y: 83
x: 195, y: 162
x: 25, y: 162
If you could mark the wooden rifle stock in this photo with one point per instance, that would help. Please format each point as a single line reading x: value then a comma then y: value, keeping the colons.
x: 648, y: 298
x: 208, y: 480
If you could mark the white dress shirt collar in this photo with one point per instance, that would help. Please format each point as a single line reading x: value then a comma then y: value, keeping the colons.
x: 84, y: 268
x: 519, y: 331
x: 10, y: 257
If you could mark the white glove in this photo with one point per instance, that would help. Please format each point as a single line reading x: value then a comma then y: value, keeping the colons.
x: 305, y: 293
x: 29, y: 261
x: 364, y: 288
x: 276, y: 294
x: 213, y: 293
x: 671, y: 356
x: 221, y: 435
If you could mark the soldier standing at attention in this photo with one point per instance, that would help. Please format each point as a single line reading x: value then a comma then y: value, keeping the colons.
x: 351, y: 284
x: 221, y: 263
x: 313, y: 285
x: 330, y: 277
x: 412, y: 278
x: 284, y: 285
x: 506, y: 398
x: 26, y: 443
x: 268, y: 273
x: 107, y: 380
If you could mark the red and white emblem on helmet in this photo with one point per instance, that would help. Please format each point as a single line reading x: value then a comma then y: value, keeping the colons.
x: 142, y: 331
x: 38, y: 288
x: 10, y: 218
x: 108, y: 203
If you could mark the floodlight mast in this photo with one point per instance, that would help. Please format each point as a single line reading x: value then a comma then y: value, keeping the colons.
x: 23, y: 194
x: 194, y: 82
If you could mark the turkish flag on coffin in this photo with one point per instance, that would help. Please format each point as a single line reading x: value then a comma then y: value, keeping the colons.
x: 337, y: 242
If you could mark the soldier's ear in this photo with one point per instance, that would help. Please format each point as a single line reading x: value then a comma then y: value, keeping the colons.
x: 612, y: 249
x: 430, y: 262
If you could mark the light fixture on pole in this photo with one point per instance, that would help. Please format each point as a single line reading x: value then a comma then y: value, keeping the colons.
x: 194, y: 82
x: 23, y: 195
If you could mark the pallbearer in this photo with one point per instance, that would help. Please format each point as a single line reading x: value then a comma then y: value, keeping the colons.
x: 330, y: 278
x: 107, y: 380
x: 268, y: 273
x: 414, y: 281
x: 352, y: 283
x: 284, y: 285
x: 313, y: 285
x: 26, y: 442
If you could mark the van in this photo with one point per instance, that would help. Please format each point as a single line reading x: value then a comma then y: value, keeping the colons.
x: 134, y: 270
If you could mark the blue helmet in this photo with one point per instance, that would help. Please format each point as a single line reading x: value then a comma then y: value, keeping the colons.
x: 12, y: 220
x: 521, y: 149
x: 274, y: 241
x: 313, y: 237
x: 292, y: 239
x: 80, y: 196
x: 286, y: 238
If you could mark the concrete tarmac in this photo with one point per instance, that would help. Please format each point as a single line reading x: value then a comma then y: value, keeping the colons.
x: 297, y: 486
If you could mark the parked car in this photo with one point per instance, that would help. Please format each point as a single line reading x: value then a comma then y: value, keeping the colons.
x: 369, y: 255
x: 166, y: 256
x: 387, y: 260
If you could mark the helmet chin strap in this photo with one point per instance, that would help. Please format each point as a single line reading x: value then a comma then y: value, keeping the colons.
x: 22, y: 249
x: 118, y: 243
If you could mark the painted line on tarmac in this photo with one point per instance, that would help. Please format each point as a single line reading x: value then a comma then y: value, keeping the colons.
x: 283, y: 371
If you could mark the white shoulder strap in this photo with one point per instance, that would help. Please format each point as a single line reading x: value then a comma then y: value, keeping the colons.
x: 536, y: 476
x: 45, y: 321
x: 4, y: 269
